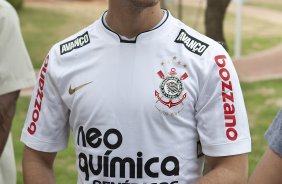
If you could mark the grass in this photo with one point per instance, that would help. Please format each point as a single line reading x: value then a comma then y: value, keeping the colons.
x: 65, y: 169
x: 254, y: 44
x: 257, y: 35
x: 263, y: 100
x: 42, y: 28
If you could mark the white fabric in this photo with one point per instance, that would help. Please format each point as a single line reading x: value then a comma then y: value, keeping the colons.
x: 8, y: 173
x: 116, y: 116
x: 16, y: 71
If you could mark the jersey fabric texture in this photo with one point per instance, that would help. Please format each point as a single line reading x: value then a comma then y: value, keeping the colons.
x: 16, y: 72
x: 274, y: 134
x: 8, y: 172
x: 140, y: 111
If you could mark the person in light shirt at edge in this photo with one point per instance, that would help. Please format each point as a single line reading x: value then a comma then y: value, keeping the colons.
x: 16, y: 73
x: 269, y: 168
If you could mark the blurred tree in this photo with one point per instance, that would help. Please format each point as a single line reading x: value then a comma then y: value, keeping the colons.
x: 163, y: 4
x: 17, y: 4
x: 180, y: 10
x: 214, y: 17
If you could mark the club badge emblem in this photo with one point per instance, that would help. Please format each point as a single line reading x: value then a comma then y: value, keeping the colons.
x: 172, y: 92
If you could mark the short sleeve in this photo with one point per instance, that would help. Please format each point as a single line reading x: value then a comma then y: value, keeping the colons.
x: 221, y: 116
x: 16, y: 71
x: 274, y: 134
x: 46, y: 127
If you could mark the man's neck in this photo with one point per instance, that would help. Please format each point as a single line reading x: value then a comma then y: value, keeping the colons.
x: 129, y: 20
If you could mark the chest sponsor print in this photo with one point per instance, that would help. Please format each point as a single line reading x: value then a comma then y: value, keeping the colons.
x: 109, y: 167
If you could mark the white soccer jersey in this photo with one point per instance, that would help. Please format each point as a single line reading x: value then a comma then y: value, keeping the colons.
x: 141, y: 111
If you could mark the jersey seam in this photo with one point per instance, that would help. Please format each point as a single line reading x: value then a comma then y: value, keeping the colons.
x: 39, y: 140
x: 202, y: 90
x: 241, y: 140
x: 54, y: 84
x: 211, y: 64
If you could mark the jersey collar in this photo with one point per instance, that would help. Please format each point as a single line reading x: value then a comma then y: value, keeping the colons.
x: 134, y: 40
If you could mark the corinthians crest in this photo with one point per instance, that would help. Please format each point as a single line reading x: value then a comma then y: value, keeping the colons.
x: 171, y: 92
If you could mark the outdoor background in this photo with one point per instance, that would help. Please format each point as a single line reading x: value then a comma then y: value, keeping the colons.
x: 46, y: 22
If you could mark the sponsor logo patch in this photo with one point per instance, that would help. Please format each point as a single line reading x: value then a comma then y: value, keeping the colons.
x: 79, y: 42
x: 107, y: 166
x: 192, y: 44
x: 228, y: 98
x: 38, y: 98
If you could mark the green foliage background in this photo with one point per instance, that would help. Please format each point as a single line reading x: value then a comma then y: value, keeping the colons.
x: 17, y: 4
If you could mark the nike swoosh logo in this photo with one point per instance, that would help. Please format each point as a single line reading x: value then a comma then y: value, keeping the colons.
x: 73, y: 90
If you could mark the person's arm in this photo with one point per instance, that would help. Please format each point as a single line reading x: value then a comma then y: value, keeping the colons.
x: 38, y: 167
x: 229, y: 169
x: 7, y: 110
x: 46, y: 130
x: 268, y: 170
